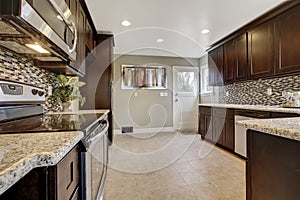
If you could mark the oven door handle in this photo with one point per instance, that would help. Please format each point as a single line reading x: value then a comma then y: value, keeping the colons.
x: 99, y: 135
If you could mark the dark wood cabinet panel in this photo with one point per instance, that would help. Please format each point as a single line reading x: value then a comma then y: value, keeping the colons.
x: 242, y: 57
x: 60, y: 182
x: 217, y: 125
x: 287, y: 41
x: 215, y: 65
x: 261, y: 50
x: 89, y: 38
x: 230, y: 61
x: 272, y: 168
x: 98, y: 78
x: 202, y: 125
x: 81, y: 51
x: 228, y: 138
x: 218, y: 129
x: 65, y: 175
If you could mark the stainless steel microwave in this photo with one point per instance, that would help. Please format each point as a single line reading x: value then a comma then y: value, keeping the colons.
x: 43, y: 29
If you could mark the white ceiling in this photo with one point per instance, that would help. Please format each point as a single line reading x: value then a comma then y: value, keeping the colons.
x: 178, y: 22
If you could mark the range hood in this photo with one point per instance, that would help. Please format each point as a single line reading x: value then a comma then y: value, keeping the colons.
x: 41, y: 29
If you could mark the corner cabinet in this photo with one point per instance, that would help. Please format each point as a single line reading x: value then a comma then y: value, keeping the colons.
x: 215, y: 66
x: 261, y: 50
x: 287, y: 41
x: 59, y: 182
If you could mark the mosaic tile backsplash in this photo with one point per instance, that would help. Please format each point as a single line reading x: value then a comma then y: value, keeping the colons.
x: 255, y: 92
x: 20, y: 69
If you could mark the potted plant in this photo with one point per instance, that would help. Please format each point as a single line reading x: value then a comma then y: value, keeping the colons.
x: 66, y: 89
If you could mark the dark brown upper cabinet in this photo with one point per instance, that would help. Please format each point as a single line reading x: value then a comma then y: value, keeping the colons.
x: 230, y: 61
x: 215, y: 66
x: 287, y: 41
x: 261, y: 50
x: 235, y: 59
x: 241, y: 57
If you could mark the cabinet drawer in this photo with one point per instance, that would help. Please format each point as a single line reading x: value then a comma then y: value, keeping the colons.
x: 67, y: 174
x: 223, y: 112
x: 205, y: 110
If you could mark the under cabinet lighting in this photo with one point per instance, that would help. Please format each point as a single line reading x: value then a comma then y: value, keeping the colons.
x: 204, y: 31
x: 126, y: 23
x: 37, y: 48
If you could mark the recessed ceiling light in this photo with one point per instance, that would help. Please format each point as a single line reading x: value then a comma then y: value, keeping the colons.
x: 204, y: 31
x: 160, y: 40
x: 126, y: 23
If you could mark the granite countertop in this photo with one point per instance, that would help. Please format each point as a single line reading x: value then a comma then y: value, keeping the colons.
x: 283, y: 127
x: 253, y: 107
x: 20, y: 153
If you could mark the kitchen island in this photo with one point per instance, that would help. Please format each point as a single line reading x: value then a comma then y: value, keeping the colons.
x: 273, y: 166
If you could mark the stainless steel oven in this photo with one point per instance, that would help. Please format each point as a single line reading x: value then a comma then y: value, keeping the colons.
x: 95, y: 161
x: 21, y: 112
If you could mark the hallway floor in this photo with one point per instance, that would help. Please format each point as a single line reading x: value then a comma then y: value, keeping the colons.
x: 177, y: 166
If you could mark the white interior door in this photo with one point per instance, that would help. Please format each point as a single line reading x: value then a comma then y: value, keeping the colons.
x: 185, y: 97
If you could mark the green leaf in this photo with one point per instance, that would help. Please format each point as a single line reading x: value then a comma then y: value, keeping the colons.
x: 79, y: 84
x: 72, y: 81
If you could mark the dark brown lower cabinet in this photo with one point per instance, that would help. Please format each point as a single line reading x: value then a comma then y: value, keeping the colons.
x: 205, y: 123
x: 60, y: 182
x: 273, y: 167
x: 217, y: 125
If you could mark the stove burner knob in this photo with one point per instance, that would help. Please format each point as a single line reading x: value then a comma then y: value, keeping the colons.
x: 41, y: 93
x: 34, y: 91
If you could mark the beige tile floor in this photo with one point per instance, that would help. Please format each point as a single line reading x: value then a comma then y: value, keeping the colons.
x: 177, y: 166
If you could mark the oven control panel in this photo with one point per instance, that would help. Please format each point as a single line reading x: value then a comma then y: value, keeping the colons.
x: 11, y: 92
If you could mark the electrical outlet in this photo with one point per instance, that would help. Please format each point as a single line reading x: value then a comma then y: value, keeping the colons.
x: 269, y: 91
x: 227, y: 93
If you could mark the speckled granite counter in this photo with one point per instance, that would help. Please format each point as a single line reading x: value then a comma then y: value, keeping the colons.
x: 20, y: 153
x: 283, y: 127
x: 254, y: 107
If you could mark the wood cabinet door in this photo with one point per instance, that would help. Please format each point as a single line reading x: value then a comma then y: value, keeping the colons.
x: 287, y: 41
x: 230, y: 61
x: 241, y: 57
x: 218, y: 129
x: 261, y: 50
x: 215, y: 65
x: 228, y: 139
x: 212, y: 55
x: 67, y: 175
x: 208, y: 127
x: 202, y: 125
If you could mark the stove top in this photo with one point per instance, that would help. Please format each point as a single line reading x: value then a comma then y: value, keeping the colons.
x: 50, y: 123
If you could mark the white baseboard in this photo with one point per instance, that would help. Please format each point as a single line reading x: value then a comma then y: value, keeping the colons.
x: 147, y: 130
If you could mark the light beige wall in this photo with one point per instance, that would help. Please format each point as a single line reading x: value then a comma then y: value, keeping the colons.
x: 148, y: 109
